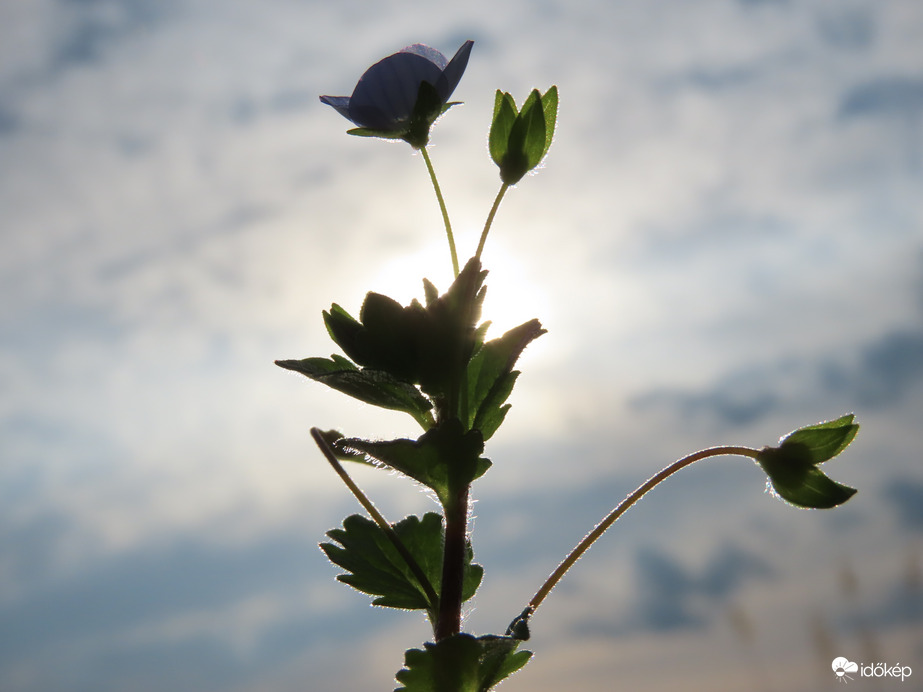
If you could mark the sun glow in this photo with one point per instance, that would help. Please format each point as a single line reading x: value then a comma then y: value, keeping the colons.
x: 513, y: 296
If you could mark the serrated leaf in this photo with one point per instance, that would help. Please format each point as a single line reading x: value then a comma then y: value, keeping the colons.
x: 461, y: 663
x: 375, y: 567
x: 491, y: 376
x: 443, y: 458
x: 374, y: 387
x: 493, y: 412
x: 823, y: 441
x: 426, y: 346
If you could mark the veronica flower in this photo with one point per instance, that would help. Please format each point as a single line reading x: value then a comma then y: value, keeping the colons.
x: 401, y: 96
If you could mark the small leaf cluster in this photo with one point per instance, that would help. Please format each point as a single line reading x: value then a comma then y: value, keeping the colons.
x: 519, y: 139
x: 792, y: 466
x: 430, y: 361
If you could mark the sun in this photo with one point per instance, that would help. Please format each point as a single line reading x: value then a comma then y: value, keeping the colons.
x: 513, y: 296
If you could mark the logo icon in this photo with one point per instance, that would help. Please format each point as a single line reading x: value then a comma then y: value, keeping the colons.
x: 841, y: 666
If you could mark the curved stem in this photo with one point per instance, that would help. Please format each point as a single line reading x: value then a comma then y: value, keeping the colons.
x: 490, y: 219
x: 445, y: 213
x: 376, y: 515
x: 623, y: 506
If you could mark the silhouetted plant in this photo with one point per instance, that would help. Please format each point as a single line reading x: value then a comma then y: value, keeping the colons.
x: 432, y: 361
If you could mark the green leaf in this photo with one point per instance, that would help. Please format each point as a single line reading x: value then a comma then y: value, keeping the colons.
x: 450, y: 331
x: 374, y: 387
x: 793, y: 470
x: 504, y: 117
x: 492, y: 414
x: 374, y: 566
x: 824, y: 441
x: 340, y: 325
x: 525, y: 141
x: 443, y: 458
x: 427, y: 346
x: 369, y: 132
x: 491, y: 376
x: 533, y: 118
x: 550, y: 109
x: 795, y: 479
x: 461, y: 663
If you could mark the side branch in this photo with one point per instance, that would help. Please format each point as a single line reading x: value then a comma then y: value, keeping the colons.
x: 376, y: 516
x: 623, y: 506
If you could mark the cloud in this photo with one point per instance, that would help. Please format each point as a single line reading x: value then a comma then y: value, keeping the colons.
x: 884, y: 372
x: 905, y: 497
x: 178, y: 210
x: 87, y: 29
x: 216, y: 611
x: 762, y: 3
x: 879, y: 374
x: 898, y: 96
x: 668, y: 596
x: 9, y: 122
x: 848, y: 28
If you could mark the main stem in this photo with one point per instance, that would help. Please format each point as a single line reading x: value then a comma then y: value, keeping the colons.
x: 490, y: 219
x: 445, y: 213
x: 448, y: 621
x: 623, y: 506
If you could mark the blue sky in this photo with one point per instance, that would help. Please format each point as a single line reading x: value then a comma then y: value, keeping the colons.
x: 725, y: 242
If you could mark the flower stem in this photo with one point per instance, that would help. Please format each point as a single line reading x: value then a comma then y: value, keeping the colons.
x: 376, y: 515
x: 623, y: 506
x: 445, y: 213
x: 490, y: 219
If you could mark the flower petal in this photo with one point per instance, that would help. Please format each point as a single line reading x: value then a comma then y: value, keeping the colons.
x: 453, y: 72
x: 340, y: 103
x: 385, y: 95
x: 431, y: 54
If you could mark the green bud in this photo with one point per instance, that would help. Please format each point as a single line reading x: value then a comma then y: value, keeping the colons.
x: 519, y: 139
x: 793, y: 470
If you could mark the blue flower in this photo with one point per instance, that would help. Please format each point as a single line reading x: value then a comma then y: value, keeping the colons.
x: 401, y: 96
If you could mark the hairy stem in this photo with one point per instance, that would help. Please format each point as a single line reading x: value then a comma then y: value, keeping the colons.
x: 414, y: 566
x: 623, y: 506
x: 453, y: 565
x: 490, y: 219
x: 442, y: 208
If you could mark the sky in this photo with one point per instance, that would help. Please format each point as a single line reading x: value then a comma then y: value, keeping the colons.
x: 725, y: 243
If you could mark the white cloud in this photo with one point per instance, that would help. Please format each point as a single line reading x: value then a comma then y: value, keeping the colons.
x: 178, y: 209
